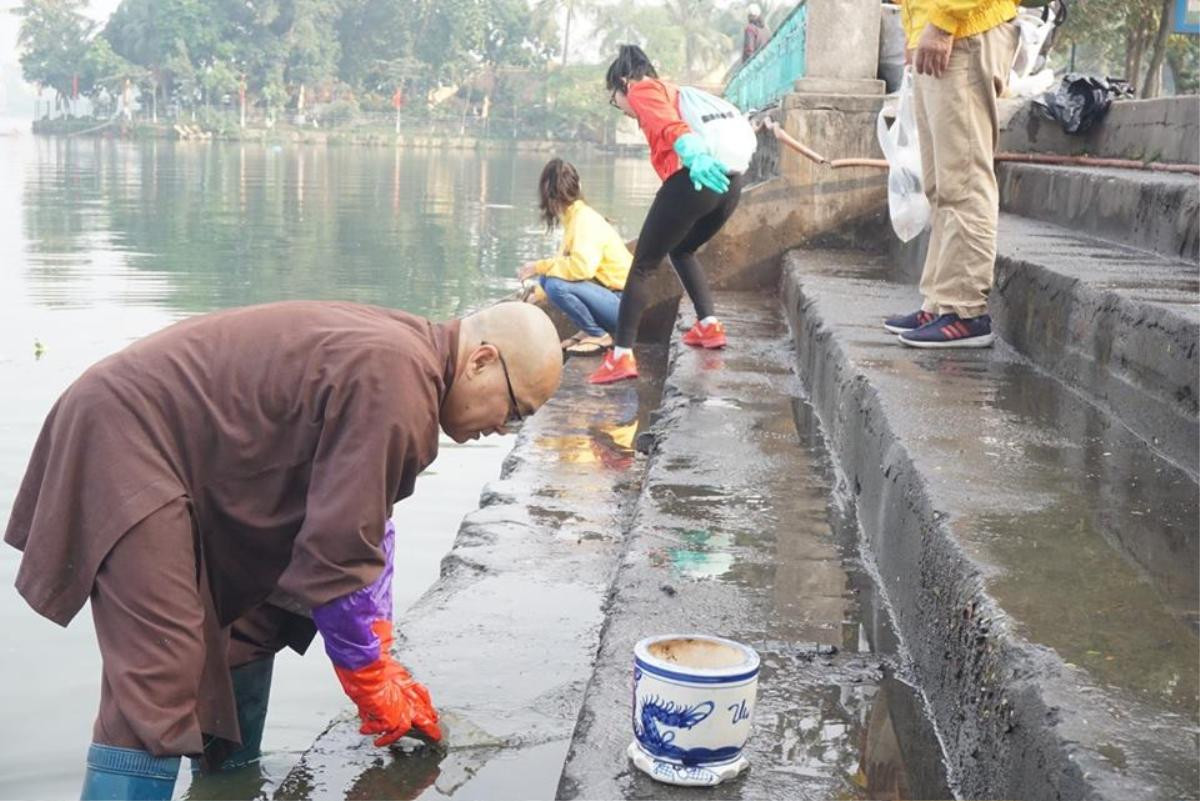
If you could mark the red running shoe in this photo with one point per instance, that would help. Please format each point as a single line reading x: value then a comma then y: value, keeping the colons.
x: 613, y: 369
x: 705, y: 336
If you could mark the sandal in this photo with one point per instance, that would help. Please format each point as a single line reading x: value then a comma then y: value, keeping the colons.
x: 590, y: 346
x: 572, y: 340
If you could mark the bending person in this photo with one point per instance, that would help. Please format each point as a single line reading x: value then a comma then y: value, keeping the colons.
x: 219, y: 490
x: 697, y: 196
x: 585, y: 280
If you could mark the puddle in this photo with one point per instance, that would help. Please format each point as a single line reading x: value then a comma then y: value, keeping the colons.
x: 898, y: 752
x: 700, y: 554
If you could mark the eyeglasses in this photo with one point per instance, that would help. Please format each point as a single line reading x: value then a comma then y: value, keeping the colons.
x: 515, y: 415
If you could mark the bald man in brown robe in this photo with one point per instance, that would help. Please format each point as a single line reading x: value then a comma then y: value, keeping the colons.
x: 212, y: 484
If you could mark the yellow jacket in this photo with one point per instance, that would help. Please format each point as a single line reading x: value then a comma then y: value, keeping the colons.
x: 962, y: 18
x: 591, y: 249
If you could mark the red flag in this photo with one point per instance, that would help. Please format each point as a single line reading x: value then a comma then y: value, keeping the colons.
x: 398, y: 98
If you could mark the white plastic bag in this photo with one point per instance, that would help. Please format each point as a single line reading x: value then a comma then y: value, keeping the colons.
x: 907, y: 205
x: 725, y: 129
x: 1034, y: 31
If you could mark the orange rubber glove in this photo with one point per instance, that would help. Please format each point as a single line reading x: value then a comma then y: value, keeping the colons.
x: 390, y: 702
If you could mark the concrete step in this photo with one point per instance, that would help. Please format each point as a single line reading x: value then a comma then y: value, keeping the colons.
x: 1118, y: 324
x: 736, y: 534
x: 1039, y: 558
x: 1154, y: 211
x: 505, y: 638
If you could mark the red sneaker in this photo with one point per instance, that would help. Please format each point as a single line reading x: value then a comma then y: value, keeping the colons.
x: 613, y: 369
x: 705, y: 336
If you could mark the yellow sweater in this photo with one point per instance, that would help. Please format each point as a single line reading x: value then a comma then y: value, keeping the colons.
x: 962, y: 18
x: 591, y: 249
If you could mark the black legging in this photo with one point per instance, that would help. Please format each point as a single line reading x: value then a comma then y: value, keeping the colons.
x: 680, y: 220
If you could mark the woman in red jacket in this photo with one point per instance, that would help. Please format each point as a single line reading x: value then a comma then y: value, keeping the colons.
x: 697, y: 196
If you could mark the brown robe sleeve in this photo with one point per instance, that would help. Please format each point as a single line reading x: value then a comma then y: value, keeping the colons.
x: 378, y: 431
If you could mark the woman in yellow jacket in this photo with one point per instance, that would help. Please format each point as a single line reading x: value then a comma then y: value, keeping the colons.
x: 586, y: 279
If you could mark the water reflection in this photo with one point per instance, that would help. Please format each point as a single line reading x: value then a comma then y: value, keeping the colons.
x: 236, y: 224
x: 899, y: 756
x: 600, y: 432
x: 701, y: 554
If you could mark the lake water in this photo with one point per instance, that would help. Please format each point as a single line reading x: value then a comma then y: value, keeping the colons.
x: 102, y: 242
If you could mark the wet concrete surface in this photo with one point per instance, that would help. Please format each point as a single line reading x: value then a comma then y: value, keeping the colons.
x: 1153, y: 211
x: 740, y: 532
x: 1104, y: 265
x: 505, y: 639
x: 1042, y: 558
x: 1118, y: 324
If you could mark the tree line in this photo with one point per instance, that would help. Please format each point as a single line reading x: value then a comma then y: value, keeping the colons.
x: 1131, y: 39
x: 339, y: 56
x: 332, y: 59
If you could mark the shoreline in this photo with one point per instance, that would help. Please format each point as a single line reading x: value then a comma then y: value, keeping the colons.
x: 290, y: 134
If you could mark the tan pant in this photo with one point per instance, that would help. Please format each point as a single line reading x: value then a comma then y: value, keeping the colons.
x: 958, y: 125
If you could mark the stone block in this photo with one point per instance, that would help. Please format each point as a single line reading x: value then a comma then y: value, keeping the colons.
x: 842, y: 39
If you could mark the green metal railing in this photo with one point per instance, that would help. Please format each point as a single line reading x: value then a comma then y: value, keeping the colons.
x: 771, y: 72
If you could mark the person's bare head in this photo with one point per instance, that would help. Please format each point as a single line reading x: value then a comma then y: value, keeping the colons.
x: 509, y: 364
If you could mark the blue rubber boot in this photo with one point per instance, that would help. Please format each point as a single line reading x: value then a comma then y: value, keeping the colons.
x: 128, y: 773
x: 252, y: 691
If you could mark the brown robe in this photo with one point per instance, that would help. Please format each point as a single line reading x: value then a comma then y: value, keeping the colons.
x: 291, y: 427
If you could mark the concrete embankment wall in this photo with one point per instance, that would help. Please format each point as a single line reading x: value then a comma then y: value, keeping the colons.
x: 981, y: 689
x: 1102, y: 296
x: 1162, y: 129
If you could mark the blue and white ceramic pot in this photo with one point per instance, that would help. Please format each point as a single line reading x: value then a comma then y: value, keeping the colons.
x: 693, y: 701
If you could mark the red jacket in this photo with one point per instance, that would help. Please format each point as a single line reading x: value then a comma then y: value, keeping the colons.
x: 656, y: 105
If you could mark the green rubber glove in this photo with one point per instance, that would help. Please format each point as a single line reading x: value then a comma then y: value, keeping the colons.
x: 705, y: 170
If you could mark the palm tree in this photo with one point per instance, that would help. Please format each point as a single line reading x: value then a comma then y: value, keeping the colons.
x: 621, y: 23
x: 704, y: 46
x: 548, y: 11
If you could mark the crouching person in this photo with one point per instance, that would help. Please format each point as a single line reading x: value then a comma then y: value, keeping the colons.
x: 585, y: 280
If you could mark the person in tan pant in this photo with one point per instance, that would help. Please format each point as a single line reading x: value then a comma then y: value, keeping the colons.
x: 962, y: 51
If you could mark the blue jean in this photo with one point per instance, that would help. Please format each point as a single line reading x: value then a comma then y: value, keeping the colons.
x: 590, y: 306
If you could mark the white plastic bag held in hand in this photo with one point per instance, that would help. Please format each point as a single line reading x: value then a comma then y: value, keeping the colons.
x: 907, y: 205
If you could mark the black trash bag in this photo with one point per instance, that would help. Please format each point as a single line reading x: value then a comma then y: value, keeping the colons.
x: 1081, y: 101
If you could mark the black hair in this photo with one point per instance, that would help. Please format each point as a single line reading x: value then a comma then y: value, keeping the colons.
x: 558, y: 188
x: 631, y: 64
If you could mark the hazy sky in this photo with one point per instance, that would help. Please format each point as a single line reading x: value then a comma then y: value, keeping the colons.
x: 9, y: 23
